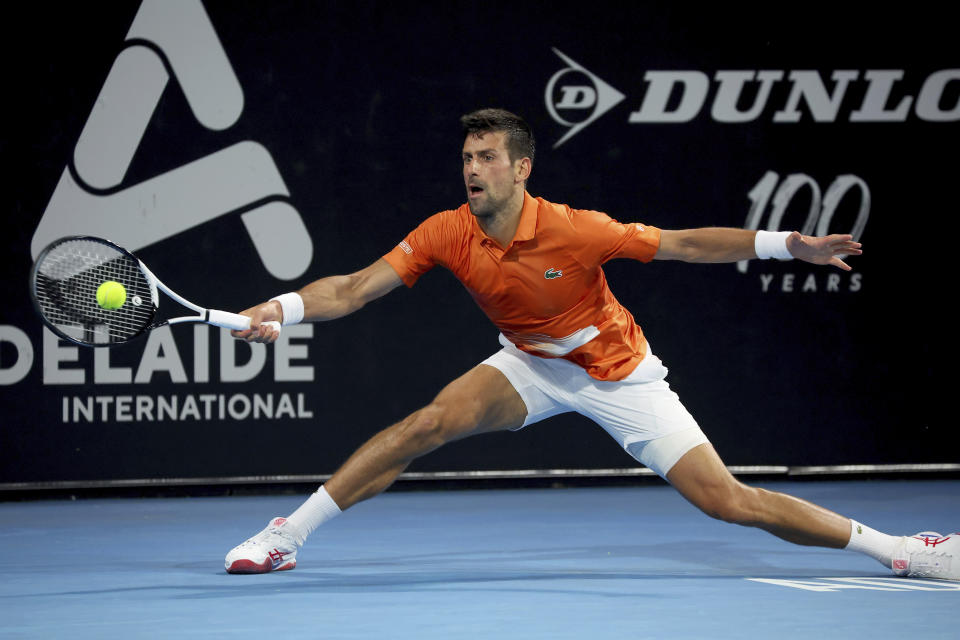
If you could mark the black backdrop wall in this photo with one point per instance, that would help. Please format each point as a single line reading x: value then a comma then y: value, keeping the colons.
x: 244, y: 149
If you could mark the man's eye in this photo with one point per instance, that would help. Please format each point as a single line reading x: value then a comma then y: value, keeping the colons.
x: 488, y: 158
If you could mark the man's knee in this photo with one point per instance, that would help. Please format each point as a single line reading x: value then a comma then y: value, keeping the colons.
x: 435, y: 425
x: 423, y: 428
x: 733, y: 502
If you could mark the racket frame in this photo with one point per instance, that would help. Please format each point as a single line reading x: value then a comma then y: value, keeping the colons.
x: 215, y: 317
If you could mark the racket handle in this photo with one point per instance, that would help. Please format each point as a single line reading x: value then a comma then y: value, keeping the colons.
x: 233, y: 321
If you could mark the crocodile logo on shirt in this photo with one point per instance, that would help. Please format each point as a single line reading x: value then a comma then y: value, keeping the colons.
x: 550, y: 274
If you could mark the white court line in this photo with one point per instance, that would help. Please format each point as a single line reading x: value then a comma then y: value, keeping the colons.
x: 866, y: 583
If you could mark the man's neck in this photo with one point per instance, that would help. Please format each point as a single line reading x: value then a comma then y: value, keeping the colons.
x: 502, y: 225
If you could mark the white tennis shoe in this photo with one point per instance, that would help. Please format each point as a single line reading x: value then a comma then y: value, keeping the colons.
x: 273, y: 549
x: 928, y: 555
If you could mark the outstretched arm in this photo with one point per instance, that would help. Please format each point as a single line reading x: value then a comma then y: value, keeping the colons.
x: 716, y: 244
x: 325, y: 299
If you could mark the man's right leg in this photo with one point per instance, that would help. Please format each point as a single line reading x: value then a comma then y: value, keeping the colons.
x: 481, y: 400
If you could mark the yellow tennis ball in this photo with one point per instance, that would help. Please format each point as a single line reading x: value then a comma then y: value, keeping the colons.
x: 111, y: 295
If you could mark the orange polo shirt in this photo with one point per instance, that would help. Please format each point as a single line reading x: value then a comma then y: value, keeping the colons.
x: 546, y: 290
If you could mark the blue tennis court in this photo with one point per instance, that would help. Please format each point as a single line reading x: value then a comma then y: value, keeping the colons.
x: 540, y: 563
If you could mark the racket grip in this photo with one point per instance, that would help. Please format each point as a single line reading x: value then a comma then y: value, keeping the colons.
x: 233, y: 321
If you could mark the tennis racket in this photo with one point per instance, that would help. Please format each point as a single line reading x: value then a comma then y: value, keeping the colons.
x: 67, y: 275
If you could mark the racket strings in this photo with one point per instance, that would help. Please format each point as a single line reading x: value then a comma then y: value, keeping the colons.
x: 67, y: 280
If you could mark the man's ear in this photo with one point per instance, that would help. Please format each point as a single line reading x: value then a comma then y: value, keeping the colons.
x: 524, y: 167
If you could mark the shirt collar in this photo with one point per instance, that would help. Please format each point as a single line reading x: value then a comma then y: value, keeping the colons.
x: 528, y: 218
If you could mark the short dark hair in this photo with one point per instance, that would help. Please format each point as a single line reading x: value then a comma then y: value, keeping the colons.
x: 519, y: 142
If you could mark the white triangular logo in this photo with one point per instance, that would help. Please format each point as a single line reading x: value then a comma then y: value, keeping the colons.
x: 89, y: 198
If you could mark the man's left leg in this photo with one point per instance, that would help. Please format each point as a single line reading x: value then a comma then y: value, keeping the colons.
x: 701, y: 477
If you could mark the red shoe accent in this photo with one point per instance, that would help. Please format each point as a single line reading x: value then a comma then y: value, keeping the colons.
x: 249, y: 566
x: 932, y: 541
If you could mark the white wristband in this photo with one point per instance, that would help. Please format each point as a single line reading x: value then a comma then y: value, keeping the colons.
x: 772, y: 244
x: 292, y: 305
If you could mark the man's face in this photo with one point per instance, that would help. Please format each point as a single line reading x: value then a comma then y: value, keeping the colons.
x: 490, y: 177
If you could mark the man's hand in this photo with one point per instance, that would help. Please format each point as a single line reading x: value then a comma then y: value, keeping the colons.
x: 260, y: 314
x: 823, y: 250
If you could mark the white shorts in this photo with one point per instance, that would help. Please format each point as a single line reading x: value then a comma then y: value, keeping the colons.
x: 640, y: 411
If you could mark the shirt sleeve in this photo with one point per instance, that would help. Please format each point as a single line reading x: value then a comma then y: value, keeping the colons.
x: 420, y: 251
x: 603, y: 238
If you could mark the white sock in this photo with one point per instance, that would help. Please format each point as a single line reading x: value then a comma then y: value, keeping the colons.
x: 318, y: 508
x: 871, y: 542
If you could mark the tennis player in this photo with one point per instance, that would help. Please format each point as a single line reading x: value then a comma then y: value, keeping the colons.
x: 534, y: 267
